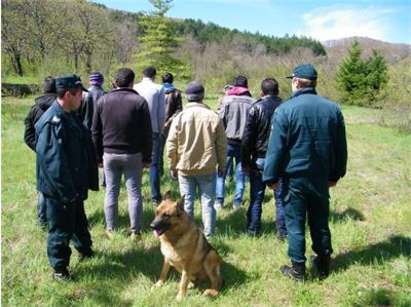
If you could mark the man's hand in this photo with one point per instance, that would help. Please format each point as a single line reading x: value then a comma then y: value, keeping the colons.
x: 273, y: 185
x: 332, y: 184
x: 174, y: 174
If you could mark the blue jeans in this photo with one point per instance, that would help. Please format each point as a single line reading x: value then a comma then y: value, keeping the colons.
x: 131, y: 166
x: 233, y: 153
x: 206, y: 185
x: 156, y: 157
x: 257, y: 192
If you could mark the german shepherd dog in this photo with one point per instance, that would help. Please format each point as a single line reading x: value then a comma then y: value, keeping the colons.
x: 185, y: 247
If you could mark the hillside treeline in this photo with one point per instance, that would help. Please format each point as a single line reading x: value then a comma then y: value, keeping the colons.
x: 52, y: 36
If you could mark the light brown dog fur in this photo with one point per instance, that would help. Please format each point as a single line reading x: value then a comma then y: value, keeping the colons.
x: 185, y: 247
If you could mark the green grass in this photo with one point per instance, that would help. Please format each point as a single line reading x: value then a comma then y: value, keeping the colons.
x: 370, y: 223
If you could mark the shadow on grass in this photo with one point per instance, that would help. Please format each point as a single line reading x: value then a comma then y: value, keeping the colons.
x: 349, y: 213
x: 394, y: 247
x: 382, y: 297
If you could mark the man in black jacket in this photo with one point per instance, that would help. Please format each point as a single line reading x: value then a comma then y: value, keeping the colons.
x: 41, y: 104
x: 89, y: 101
x: 122, y: 136
x: 253, y: 150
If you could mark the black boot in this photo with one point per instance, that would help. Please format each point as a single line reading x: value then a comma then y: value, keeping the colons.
x: 321, y: 265
x: 296, y: 271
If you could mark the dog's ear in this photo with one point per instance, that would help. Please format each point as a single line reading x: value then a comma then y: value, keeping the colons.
x: 167, y: 195
x: 180, y: 203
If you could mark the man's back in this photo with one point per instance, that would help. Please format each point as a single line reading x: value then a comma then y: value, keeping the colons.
x: 155, y: 99
x: 121, y: 123
x: 198, y: 135
x: 315, y: 136
x: 233, y: 112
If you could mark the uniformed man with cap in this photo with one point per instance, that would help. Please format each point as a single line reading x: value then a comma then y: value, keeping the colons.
x: 308, y: 149
x: 66, y: 169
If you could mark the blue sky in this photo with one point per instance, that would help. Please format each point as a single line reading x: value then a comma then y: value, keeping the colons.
x: 321, y: 19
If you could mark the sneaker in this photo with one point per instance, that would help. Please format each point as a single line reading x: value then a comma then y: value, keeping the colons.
x: 61, y: 275
x: 218, y: 205
x: 236, y: 205
x: 296, y: 271
x: 110, y: 233
x: 135, y: 236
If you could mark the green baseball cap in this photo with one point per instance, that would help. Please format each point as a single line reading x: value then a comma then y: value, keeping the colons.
x: 68, y: 82
x: 304, y: 71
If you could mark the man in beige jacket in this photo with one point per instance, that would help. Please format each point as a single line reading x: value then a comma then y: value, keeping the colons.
x: 196, y: 147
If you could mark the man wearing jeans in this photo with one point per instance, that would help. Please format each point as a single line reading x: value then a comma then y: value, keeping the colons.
x: 196, y: 147
x: 233, y: 112
x: 253, y: 149
x: 154, y: 95
x: 122, y: 137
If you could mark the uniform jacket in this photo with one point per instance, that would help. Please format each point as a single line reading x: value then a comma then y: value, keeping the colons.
x: 154, y: 96
x: 66, y: 165
x: 233, y: 112
x: 196, y: 143
x: 41, y: 104
x: 307, y: 139
x: 257, y: 129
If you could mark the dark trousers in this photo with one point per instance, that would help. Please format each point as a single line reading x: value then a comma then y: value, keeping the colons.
x: 257, y: 192
x: 66, y: 222
x: 156, y: 157
x: 41, y: 209
x: 305, y: 198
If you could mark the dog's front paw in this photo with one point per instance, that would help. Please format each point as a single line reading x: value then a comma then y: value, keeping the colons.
x: 210, y: 292
x: 158, y: 284
x: 179, y: 297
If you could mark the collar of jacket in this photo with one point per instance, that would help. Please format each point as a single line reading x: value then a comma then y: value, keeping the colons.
x: 59, y: 109
x: 147, y: 79
x: 197, y: 104
x: 308, y: 90
x: 127, y: 89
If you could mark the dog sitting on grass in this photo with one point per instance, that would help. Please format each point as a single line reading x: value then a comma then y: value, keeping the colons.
x: 185, y: 247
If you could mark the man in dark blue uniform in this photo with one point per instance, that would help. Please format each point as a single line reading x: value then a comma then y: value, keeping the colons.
x: 66, y: 169
x: 308, y: 150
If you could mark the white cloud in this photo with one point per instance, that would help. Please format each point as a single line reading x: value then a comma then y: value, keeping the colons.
x: 339, y: 22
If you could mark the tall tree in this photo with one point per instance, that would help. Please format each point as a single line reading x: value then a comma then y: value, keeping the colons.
x: 158, y: 41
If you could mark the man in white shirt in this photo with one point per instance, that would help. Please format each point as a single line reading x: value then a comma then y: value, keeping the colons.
x: 154, y: 96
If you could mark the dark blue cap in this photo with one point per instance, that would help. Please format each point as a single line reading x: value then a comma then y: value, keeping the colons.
x: 304, y: 71
x: 68, y: 82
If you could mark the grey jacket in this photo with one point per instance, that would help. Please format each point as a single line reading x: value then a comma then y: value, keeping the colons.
x: 233, y: 112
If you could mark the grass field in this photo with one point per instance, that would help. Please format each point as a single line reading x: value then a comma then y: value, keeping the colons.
x: 370, y: 224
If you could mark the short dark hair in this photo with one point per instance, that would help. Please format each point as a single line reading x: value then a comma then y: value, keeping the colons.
x: 73, y: 91
x: 124, y: 77
x: 168, y: 77
x: 241, y: 81
x: 49, y: 85
x: 269, y: 86
x: 150, y: 72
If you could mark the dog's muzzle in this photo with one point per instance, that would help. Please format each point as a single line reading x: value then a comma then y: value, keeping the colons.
x: 159, y: 226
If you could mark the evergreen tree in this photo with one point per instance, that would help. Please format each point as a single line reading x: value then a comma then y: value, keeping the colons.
x: 158, y: 41
x: 377, y: 75
x: 351, y: 76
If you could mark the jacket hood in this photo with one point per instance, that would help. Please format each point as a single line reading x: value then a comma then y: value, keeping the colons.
x: 238, y: 91
x: 45, y: 101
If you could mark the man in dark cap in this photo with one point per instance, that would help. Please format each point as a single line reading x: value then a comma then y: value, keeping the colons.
x: 66, y: 170
x: 41, y: 104
x: 89, y: 101
x: 233, y: 112
x: 308, y: 150
x: 196, y: 148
